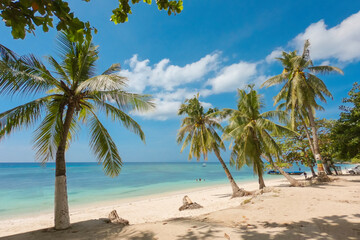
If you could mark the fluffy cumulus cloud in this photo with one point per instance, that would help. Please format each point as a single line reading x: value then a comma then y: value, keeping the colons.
x: 341, y: 42
x: 170, y: 84
x: 163, y: 111
x: 274, y: 54
x: 168, y: 103
x: 231, y: 77
x: 163, y: 75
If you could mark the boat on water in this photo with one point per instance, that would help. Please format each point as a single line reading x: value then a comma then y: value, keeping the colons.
x: 273, y: 172
x: 204, y: 164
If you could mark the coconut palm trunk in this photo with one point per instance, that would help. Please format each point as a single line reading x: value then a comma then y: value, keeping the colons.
x: 261, y: 182
x: 293, y: 182
x: 237, y: 192
x: 311, y: 147
x: 62, y: 218
x: 308, y: 136
x: 317, y: 155
x: 311, y: 144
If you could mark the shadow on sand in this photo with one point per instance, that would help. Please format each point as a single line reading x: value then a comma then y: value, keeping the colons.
x: 324, y: 228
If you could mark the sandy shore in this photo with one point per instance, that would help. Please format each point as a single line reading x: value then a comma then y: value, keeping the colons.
x: 327, y: 211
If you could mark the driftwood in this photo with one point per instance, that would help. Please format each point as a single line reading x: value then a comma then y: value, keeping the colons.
x: 188, y: 204
x: 114, y: 218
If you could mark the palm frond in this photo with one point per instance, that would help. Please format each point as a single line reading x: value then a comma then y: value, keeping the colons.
x: 126, y: 101
x: 325, y: 70
x: 110, y: 82
x: 47, y: 135
x: 118, y: 115
x: 22, y: 116
x: 25, y: 75
x: 114, y: 68
x: 104, y: 147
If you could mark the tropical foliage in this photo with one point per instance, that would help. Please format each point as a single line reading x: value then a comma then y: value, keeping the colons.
x: 296, y: 148
x: 198, y: 129
x: 346, y: 131
x: 301, y: 89
x: 69, y: 94
x: 250, y: 132
x: 23, y: 16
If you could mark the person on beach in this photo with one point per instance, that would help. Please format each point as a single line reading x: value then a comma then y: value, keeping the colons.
x: 305, y: 175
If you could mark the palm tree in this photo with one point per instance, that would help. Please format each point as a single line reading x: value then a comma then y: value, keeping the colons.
x: 249, y: 130
x: 300, y: 91
x: 198, y: 129
x: 72, y: 94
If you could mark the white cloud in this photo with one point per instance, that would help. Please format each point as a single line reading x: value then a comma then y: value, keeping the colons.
x: 165, y: 76
x: 232, y: 77
x: 170, y: 85
x: 274, y: 54
x: 138, y: 74
x: 341, y: 42
x: 168, y: 104
x: 179, y: 94
x: 163, y: 111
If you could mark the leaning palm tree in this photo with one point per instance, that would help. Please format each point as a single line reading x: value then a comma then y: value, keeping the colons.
x: 293, y: 182
x: 72, y: 94
x: 249, y: 130
x: 300, y: 91
x: 198, y: 129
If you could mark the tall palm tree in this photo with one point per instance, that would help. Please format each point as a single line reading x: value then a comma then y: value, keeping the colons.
x: 198, y: 129
x: 72, y: 94
x: 249, y: 130
x: 300, y: 91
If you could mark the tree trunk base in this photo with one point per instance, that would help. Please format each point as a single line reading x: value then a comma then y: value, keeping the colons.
x: 114, y: 218
x: 296, y: 184
x: 62, y: 218
x: 241, y: 193
x: 322, y: 177
x: 188, y: 204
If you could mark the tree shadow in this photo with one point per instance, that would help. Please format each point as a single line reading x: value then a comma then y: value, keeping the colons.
x: 222, y: 195
x: 323, y: 228
x: 199, y: 228
x: 137, y: 235
x: 90, y: 229
x: 354, y: 180
x: 210, y: 233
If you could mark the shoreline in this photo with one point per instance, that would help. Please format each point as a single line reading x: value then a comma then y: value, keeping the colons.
x: 130, y: 208
x: 325, y: 211
x: 117, y: 200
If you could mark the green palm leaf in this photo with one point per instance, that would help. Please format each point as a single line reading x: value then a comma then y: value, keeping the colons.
x: 104, y: 147
x: 22, y: 116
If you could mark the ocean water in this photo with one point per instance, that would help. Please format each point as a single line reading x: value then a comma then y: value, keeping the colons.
x: 29, y: 187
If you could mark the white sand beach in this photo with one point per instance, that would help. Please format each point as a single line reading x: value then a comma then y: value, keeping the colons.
x: 326, y: 211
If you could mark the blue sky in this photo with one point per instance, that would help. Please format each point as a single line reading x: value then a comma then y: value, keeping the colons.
x: 212, y: 47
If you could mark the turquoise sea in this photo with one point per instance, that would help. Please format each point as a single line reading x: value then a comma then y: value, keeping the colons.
x: 29, y: 187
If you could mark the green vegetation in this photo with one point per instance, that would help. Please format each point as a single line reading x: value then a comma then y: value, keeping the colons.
x: 24, y: 16
x: 249, y: 130
x: 296, y: 148
x: 198, y: 129
x: 345, y: 133
x: 72, y: 94
x: 300, y: 90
